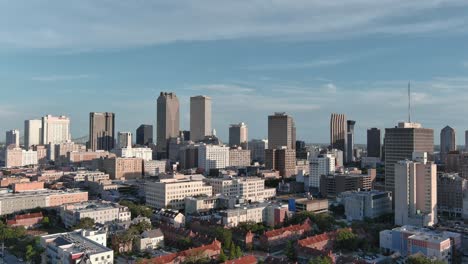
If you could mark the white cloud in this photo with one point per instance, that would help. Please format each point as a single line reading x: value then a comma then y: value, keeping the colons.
x: 222, y: 88
x: 297, y: 65
x: 90, y: 24
x: 330, y: 88
x: 53, y: 78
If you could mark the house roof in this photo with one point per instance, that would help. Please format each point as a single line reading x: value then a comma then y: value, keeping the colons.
x: 153, y: 233
x: 250, y: 259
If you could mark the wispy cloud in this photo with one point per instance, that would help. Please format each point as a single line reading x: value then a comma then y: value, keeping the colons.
x: 297, y: 65
x: 230, y: 88
x: 53, y: 78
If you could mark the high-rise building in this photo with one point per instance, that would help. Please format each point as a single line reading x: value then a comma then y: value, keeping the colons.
x: 55, y: 129
x: 281, y: 159
x: 400, y: 143
x: 200, y: 117
x: 323, y: 164
x: 447, y: 142
x: 32, y: 133
x: 144, y: 135
x: 101, y: 131
x: 124, y: 140
x: 213, y: 157
x: 416, y: 191
x: 350, y: 141
x: 373, y: 142
x: 338, y: 134
x: 238, y: 135
x: 168, y: 121
x: 281, y: 131
x: 257, y: 149
x: 466, y: 140
x: 12, y: 138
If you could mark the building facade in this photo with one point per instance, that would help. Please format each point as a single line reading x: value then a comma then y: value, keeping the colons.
x: 374, y: 143
x: 168, y: 121
x: 338, y: 132
x: 281, y: 131
x: 200, y: 117
x: 238, y: 135
x: 101, y: 131
x: 239, y: 157
x: 447, y: 142
x: 12, y: 138
x: 213, y: 157
x: 32, y: 133
x: 366, y: 204
x: 257, y: 148
x: 282, y: 160
x: 323, y: 164
x: 124, y: 140
x: 144, y: 135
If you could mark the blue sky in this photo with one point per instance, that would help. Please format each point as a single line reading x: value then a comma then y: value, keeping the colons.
x: 307, y: 58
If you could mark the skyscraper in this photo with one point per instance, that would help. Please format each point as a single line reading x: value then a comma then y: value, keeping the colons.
x: 101, y: 131
x: 200, y: 117
x: 144, y: 135
x: 466, y: 140
x: 323, y: 164
x: 257, y: 148
x: 55, y: 129
x: 416, y: 191
x: 350, y: 141
x: 373, y: 142
x: 238, y: 135
x: 447, y: 142
x: 124, y: 140
x: 12, y: 138
x: 338, y: 135
x: 400, y: 143
x: 32, y: 133
x: 281, y: 131
x: 168, y: 120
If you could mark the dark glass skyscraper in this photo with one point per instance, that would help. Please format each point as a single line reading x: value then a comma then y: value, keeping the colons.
x: 144, y: 135
x: 374, y: 141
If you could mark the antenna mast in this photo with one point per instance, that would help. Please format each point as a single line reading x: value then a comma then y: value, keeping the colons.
x: 409, y: 102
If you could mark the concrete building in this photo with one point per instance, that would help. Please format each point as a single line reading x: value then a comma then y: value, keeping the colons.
x: 173, y: 149
x: 350, y: 141
x: 101, y: 212
x: 213, y: 157
x: 170, y: 217
x: 150, y: 240
x: 170, y: 193
x: 200, y: 117
x: 154, y: 167
x: 101, y: 131
x: 15, y: 202
x: 416, y: 191
x: 60, y: 153
x: 335, y: 184
x: 55, y: 130
x: 188, y: 155
x: 124, y: 140
x: 374, y: 143
x: 400, y: 143
x: 141, y: 153
x: 254, y: 213
x: 17, y: 157
x: 12, y: 138
x: 123, y: 168
x: 452, y: 195
x: 75, y: 247
x: 366, y: 204
x: 88, y: 159
x: 409, y: 240
x: 32, y: 133
x: 281, y: 131
x: 257, y: 148
x: 27, y: 186
x: 239, y: 157
x: 144, y: 135
x: 282, y: 160
x: 238, y: 135
x: 251, y: 189
x: 447, y: 142
x: 323, y: 164
x: 338, y: 133
x: 168, y: 121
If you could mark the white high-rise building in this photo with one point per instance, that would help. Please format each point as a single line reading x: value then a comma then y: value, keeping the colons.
x: 416, y: 191
x: 200, y: 117
x: 55, y: 129
x: 213, y: 157
x: 323, y: 164
x: 124, y: 140
x: 32, y: 133
x: 12, y: 138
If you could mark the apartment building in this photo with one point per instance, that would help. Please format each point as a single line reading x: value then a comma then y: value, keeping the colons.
x: 101, y: 212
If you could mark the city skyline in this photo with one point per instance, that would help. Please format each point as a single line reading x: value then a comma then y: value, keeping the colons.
x: 249, y: 71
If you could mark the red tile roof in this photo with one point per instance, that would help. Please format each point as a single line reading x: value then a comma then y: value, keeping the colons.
x: 215, y: 246
x: 244, y: 260
x: 294, y: 228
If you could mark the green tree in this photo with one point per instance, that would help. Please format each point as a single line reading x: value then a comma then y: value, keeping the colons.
x: 45, y: 221
x: 289, y: 251
x: 346, y: 240
x: 224, y: 235
x: 320, y: 260
x: 232, y: 251
x: 30, y: 252
x: 239, y: 252
x: 142, y: 226
x: 421, y: 259
x: 85, y: 223
x: 222, y: 257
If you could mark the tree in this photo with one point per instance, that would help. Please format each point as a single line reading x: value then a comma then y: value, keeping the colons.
x: 232, y: 251
x: 421, y: 259
x: 30, y: 252
x: 320, y: 260
x: 142, y: 226
x: 238, y: 252
x: 85, y: 223
x: 224, y: 235
x: 45, y: 221
x: 222, y: 257
x: 289, y: 251
x: 346, y: 239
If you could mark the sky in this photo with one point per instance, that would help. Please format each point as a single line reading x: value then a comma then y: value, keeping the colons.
x: 308, y: 58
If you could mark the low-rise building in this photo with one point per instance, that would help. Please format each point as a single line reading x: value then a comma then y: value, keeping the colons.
x: 366, y: 204
x: 154, y: 167
x: 333, y: 185
x: 251, y: 189
x: 129, y: 152
x: 272, y: 240
x: 26, y: 220
x: 17, y: 157
x: 149, y: 240
x: 74, y: 247
x: 27, y: 186
x: 123, y: 168
x: 239, y: 157
x: 101, y: 212
x: 170, y: 217
x: 254, y: 213
x: 409, y: 240
x: 210, y: 252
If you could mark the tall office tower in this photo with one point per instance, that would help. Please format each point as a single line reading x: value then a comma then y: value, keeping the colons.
x: 200, y: 117
x: 238, y: 135
x: 338, y: 135
x: 416, y: 191
x: 257, y: 149
x: 12, y: 138
x: 168, y: 120
x: 350, y: 141
x: 466, y: 140
x: 32, y: 133
x: 373, y: 142
x: 400, y: 143
x: 124, y: 140
x: 447, y: 142
x: 281, y: 131
x: 101, y: 131
x: 55, y: 129
x: 281, y: 159
x: 144, y: 135
x: 323, y: 164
